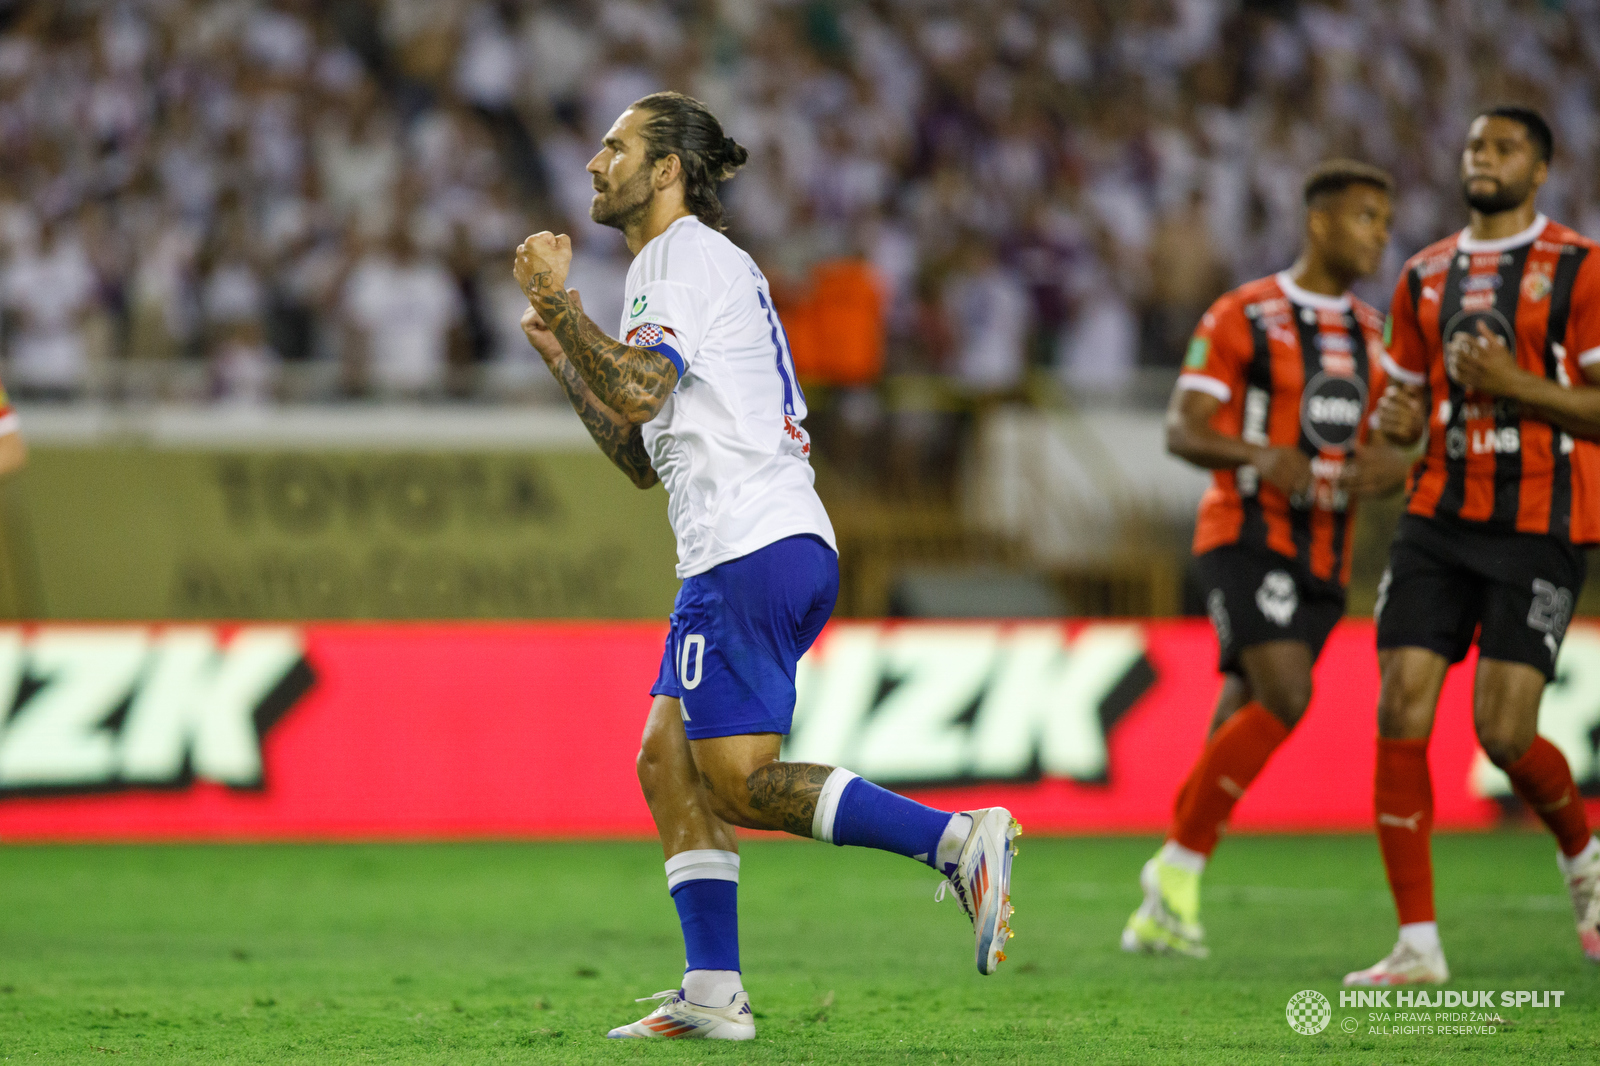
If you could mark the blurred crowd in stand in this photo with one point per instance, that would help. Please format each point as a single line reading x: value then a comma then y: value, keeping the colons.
x: 251, y: 201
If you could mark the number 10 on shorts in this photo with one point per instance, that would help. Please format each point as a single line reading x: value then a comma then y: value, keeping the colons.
x: 694, y: 649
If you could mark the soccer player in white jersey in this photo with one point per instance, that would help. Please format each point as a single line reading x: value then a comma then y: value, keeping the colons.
x: 701, y: 395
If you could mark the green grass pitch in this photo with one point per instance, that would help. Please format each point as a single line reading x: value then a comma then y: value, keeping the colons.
x: 529, y: 952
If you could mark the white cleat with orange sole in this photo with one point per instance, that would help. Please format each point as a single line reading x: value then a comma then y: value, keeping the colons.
x: 1583, y: 881
x: 678, y: 1019
x: 1405, y: 965
x: 982, y: 882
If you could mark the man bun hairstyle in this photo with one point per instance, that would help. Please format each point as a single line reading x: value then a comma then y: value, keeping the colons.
x: 682, y: 126
x: 1336, y: 175
x: 1544, y: 142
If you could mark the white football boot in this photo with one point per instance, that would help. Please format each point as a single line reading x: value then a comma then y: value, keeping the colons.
x: 982, y: 882
x: 1405, y: 965
x: 1583, y: 881
x: 677, y: 1018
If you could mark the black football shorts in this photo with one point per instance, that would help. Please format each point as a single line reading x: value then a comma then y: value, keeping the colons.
x: 1256, y: 596
x: 1448, y: 580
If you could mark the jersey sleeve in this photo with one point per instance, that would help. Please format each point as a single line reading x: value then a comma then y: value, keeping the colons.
x: 1218, y: 352
x: 1406, y: 357
x: 1377, y: 383
x: 1583, y: 321
x: 670, y: 318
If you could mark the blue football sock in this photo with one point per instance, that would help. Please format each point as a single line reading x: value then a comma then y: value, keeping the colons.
x: 857, y: 812
x: 709, y: 913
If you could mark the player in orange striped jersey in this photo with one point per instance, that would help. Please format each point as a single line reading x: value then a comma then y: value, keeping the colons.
x: 1499, y: 328
x: 1275, y: 397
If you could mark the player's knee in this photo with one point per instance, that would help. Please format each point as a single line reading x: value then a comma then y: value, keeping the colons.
x: 652, y: 767
x: 1287, y: 700
x: 1503, y: 742
x: 728, y: 796
x: 727, y: 805
x: 646, y: 767
x: 1404, y: 711
x: 726, y: 789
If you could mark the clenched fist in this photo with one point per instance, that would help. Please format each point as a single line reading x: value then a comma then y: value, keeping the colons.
x: 1287, y: 468
x: 542, y: 263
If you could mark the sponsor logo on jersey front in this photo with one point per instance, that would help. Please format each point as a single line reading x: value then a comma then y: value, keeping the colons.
x: 1505, y: 440
x: 1437, y: 264
x: 1336, y: 353
x: 1331, y: 408
x: 1338, y: 364
x: 1277, y: 305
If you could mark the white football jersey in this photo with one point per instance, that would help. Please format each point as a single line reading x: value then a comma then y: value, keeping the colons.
x: 727, y: 444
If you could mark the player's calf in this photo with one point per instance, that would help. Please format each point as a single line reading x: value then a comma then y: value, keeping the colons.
x: 750, y: 787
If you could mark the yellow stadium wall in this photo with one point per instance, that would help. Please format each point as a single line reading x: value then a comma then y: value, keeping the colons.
x: 106, y: 533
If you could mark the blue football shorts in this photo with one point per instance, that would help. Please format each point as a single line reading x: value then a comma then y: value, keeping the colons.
x: 737, y: 632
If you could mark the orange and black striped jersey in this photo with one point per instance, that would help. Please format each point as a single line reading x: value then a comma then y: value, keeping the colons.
x: 1487, y: 460
x: 1292, y: 369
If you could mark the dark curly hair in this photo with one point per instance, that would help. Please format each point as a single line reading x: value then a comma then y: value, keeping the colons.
x: 682, y: 126
x: 1336, y: 175
x: 1544, y: 142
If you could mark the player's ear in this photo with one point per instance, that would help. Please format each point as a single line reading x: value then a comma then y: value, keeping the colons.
x: 669, y: 168
x: 1317, y: 224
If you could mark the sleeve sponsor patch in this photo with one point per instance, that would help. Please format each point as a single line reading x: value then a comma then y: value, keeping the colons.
x: 647, y: 335
x: 1388, y: 330
x: 1199, y: 351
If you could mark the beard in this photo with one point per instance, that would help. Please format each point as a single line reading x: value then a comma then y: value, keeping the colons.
x: 624, y: 204
x: 1503, y: 198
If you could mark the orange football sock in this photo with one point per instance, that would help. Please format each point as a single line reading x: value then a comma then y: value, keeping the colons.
x: 1232, y: 758
x: 1544, y: 781
x: 1403, y: 802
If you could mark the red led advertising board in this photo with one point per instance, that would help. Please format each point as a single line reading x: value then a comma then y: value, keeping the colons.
x: 366, y: 731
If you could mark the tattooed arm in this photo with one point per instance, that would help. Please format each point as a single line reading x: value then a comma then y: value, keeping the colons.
x: 621, y: 440
x: 632, y: 382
